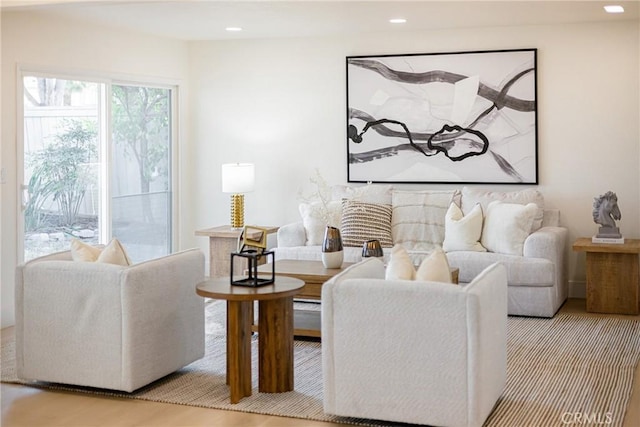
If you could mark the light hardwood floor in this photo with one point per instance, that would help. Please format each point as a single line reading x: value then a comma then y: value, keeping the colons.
x: 25, y: 406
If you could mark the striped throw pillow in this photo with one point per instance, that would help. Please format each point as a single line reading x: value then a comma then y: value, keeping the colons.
x: 363, y: 221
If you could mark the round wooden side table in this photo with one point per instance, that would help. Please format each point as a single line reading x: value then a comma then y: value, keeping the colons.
x: 275, y: 333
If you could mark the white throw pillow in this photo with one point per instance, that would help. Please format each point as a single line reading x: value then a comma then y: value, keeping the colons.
x: 417, y: 221
x: 506, y: 226
x: 400, y: 265
x: 80, y: 251
x: 462, y: 232
x: 113, y: 253
x: 434, y: 268
x: 472, y: 196
x: 315, y: 218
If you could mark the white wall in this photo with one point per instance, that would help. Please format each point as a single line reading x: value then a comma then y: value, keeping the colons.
x: 32, y: 40
x: 281, y: 104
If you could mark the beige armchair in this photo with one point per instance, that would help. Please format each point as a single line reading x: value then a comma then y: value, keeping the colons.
x: 414, y: 352
x: 108, y: 326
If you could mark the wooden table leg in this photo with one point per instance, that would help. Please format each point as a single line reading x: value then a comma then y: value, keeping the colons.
x: 275, y: 344
x: 239, y: 349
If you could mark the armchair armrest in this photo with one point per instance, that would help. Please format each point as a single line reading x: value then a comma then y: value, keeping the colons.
x: 160, y: 310
x: 292, y: 234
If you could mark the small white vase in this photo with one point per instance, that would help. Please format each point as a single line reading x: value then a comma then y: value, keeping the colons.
x: 332, y: 259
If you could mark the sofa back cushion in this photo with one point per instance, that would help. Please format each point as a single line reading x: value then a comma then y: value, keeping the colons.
x: 472, y: 196
x: 418, y: 217
x: 370, y: 193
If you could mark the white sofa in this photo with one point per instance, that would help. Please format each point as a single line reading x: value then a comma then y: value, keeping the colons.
x: 108, y: 326
x: 413, y: 352
x: 536, y: 279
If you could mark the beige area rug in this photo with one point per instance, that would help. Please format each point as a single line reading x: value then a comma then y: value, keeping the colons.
x: 556, y: 368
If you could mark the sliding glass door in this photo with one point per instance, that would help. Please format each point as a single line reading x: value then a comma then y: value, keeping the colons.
x: 96, y: 165
x: 141, y: 166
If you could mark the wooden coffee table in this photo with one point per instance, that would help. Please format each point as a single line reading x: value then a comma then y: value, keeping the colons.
x: 313, y: 273
x: 275, y: 333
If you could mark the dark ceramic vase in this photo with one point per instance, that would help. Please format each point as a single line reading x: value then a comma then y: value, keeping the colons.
x: 372, y: 248
x: 332, y: 250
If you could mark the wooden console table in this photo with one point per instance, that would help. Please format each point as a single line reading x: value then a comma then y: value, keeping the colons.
x: 613, y: 276
x: 222, y: 241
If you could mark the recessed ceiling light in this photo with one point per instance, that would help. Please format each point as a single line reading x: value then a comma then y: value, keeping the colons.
x: 614, y: 8
x: 397, y: 20
x: 233, y: 29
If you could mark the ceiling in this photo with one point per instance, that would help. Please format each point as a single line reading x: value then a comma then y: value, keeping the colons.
x: 207, y: 19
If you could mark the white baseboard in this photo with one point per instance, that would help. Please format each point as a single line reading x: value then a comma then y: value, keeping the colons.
x: 577, y: 289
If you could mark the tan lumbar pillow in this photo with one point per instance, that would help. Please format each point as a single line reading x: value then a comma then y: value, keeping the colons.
x: 113, y: 253
x: 400, y: 265
x: 435, y: 268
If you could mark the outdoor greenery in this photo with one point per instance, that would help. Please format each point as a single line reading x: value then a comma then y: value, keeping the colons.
x: 64, y: 117
x: 141, y: 123
x: 61, y: 171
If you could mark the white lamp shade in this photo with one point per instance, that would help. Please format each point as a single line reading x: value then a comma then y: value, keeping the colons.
x: 238, y: 177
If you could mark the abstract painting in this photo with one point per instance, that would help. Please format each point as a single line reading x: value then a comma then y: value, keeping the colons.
x: 467, y: 117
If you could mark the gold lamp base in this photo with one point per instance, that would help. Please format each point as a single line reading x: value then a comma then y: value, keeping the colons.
x: 237, y: 210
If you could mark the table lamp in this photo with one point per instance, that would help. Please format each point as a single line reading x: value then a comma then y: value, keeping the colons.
x: 237, y: 178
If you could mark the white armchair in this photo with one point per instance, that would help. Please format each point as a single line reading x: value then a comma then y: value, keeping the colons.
x: 108, y: 326
x: 414, y: 352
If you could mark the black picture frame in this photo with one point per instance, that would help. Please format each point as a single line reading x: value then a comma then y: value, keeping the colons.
x: 451, y: 117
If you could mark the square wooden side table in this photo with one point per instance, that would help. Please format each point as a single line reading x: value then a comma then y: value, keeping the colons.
x: 613, y: 276
x: 222, y: 241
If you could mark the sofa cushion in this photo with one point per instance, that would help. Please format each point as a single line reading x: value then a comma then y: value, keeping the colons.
x: 365, y: 221
x: 506, y: 226
x: 471, y: 196
x: 462, y: 232
x: 315, y: 218
x: 418, y: 218
x: 434, y: 268
x: 521, y: 271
